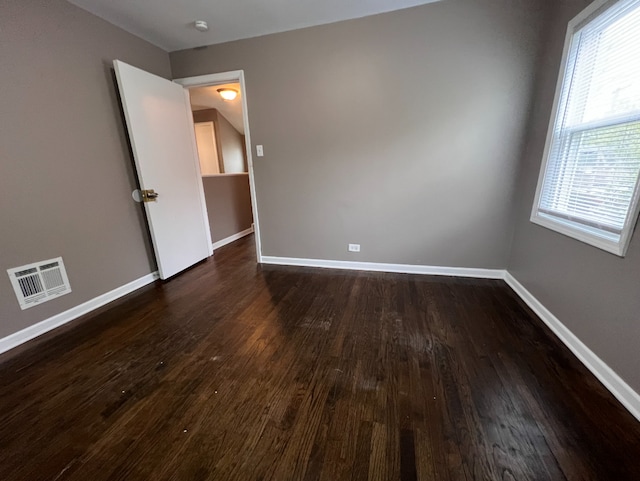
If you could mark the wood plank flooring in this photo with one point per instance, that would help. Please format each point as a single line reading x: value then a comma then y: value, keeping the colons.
x: 233, y: 371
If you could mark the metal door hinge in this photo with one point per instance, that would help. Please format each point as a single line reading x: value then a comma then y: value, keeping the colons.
x: 149, y: 195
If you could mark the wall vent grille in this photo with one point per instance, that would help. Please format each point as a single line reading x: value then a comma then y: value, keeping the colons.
x: 39, y: 282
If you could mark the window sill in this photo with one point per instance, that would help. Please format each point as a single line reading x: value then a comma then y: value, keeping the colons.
x: 581, y: 234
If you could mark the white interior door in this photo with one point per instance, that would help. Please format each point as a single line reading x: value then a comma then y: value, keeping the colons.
x: 160, y: 127
x: 207, y: 149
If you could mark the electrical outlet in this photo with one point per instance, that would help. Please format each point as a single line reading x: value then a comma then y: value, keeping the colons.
x: 259, y: 150
x: 354, y: 247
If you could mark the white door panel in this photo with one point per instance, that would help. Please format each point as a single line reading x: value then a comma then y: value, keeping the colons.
x: 207, y: 149
x: 163, y: 142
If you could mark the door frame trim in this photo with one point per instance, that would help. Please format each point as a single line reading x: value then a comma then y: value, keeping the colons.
x: 227, y: 77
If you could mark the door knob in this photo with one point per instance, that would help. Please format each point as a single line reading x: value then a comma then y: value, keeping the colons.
x: 149, y: 195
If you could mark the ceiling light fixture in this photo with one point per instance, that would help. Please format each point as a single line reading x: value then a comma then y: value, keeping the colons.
x: 228, y: 94
x: 201, y: 25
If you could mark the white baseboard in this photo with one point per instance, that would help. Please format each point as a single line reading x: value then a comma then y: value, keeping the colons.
x: 381, y: 267
x: 629, y: 398
x: 31, y: 332
x: 231, y: 238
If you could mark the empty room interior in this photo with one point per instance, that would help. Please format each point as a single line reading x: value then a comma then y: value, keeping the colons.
x: 368, y: 240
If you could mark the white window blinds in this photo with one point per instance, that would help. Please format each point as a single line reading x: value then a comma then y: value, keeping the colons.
x: 593, y: 153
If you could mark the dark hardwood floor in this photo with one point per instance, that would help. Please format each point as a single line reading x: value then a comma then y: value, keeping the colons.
x: 233, y: 371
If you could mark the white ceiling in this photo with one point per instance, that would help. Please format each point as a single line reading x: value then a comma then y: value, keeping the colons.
x: 209, y: 98
x: 169, y: 23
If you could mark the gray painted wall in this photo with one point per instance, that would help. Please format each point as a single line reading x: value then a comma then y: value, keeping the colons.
x: 400, y: 132
x: 228, y: 204
x: 66, y: 175
x: 594, y: 293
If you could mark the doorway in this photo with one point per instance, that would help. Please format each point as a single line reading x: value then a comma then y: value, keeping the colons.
x: 224, y: 147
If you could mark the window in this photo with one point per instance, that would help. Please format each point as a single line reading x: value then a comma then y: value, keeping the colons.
x: 588, y: 186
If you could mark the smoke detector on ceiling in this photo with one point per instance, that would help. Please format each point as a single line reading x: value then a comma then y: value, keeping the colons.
x: 201, y: 25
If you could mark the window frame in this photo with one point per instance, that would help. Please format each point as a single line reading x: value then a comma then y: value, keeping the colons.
x: 569, y: 228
